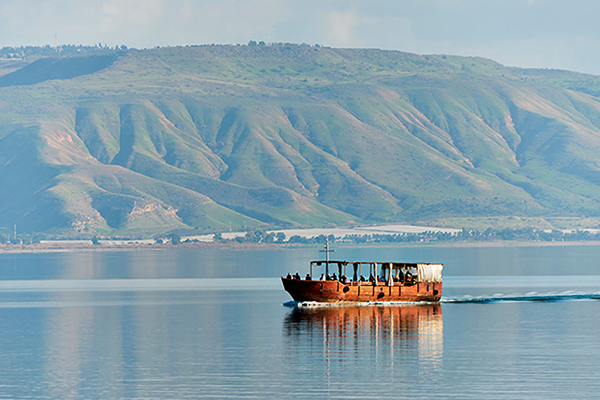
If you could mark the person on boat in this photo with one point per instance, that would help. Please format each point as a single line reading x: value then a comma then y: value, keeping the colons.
x: 362, y: 279
x: 328, y: 277
x: 371, y: 278
x: 322, y: 278
x: 297, y: 276
x: 343, y: 278
x: 289, y: 276
x: 334, y: 277
x: 307, y: 277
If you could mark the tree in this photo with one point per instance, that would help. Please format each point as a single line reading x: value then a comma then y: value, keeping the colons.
x: 254, y: 236
x: 218, y: 237
x: 280, y: 237
x: 320, y: 239
x: 252, y: 43
x: 95, y: 241
x: 158, y: 241
x: 269, y: 238
x: 298, y: 239
x: 175, y: 238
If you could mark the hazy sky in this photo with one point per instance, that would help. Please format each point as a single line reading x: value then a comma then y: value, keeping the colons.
x: 528, y: 33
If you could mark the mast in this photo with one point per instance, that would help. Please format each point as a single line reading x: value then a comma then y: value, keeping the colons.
x: 326, y: 251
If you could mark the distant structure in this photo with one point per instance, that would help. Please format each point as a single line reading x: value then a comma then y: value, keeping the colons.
x: 23, y: 52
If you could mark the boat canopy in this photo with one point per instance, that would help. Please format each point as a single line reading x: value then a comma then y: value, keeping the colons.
x: 429, y: 272
x: 426, y: 272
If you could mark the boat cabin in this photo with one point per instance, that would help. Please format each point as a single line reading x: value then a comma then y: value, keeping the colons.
x: 376, y: 273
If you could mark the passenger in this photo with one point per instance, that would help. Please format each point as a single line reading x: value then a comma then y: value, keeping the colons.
x: 371, y: 278
x: 307, y: 277
x: 297, y: 276
x: 328, y: 277
x: 362, y: 279
x: 322, y: 278
x: 334, y: 277
x: 343, y: 278
x: 289, y: 276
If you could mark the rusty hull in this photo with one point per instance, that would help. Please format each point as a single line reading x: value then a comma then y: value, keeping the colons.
x: 337, y: 292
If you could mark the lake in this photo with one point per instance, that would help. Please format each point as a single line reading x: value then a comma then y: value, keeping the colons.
x: 188, y: 324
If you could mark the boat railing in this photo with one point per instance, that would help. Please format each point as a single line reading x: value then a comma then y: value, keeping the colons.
x: 380, y: 273
x: 368, y: 283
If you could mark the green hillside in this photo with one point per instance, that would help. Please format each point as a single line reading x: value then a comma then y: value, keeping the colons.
x: 211, y: 137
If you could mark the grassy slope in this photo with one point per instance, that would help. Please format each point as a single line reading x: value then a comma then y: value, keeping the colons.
x: 217, y: 136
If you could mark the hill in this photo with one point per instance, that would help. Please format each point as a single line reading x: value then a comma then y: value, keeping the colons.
x: 210, y: 138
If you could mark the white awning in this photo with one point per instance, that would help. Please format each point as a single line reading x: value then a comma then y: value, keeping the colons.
x: 429, y: 272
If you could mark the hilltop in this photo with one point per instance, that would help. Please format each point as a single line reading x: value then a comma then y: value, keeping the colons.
x: 212, y: 138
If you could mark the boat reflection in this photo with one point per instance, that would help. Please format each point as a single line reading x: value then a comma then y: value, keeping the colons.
x: 408, y: 331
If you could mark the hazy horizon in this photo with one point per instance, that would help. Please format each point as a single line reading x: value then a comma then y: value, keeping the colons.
x: 523, y: 33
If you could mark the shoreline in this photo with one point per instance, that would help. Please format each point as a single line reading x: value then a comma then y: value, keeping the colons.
x: 79, y: 248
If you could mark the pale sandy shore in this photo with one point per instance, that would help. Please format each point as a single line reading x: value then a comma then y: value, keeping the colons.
x: 338, y: 232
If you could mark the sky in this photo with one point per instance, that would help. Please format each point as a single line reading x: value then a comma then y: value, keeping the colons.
x: 563, y: 34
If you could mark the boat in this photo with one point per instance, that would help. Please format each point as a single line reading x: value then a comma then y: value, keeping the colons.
x: 388, y: 282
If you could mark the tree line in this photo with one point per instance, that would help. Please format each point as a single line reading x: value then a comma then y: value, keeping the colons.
x: 24, y: 52
x: 260, y: 236
x: 464, y: 235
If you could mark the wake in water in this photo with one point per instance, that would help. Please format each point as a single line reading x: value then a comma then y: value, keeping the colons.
x: 525, y: 297
x: 533, y: 296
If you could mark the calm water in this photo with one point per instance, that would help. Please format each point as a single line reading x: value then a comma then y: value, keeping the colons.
x: 211, y: 323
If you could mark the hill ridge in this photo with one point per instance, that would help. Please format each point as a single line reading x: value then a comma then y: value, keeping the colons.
x: 212, y: 137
